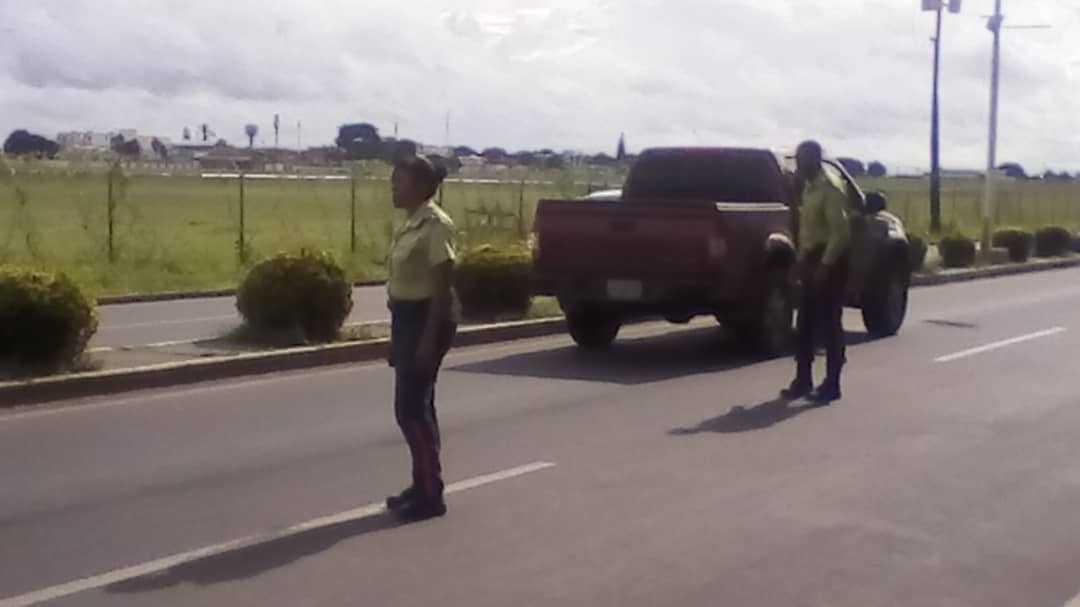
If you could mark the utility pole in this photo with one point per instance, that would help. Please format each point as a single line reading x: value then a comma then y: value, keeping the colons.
x: 938, y: 7
x: 935, y: 135
x: 995, y: 27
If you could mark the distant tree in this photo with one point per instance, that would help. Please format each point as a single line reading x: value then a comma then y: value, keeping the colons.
x: 620, y: 150
x: 24, y: 143
x: 554, y: 162
x: 359, y: 141
x: 1013, y: 170
x: 251, y: 130
x: 464, y: 151
x: 853, y: 166
x: 1062, y: 176
x: 601, y: 160
x: 877, y: 169
x: 525, y: 159
x: 221, y: 143
x: 187, y: 134
x: 495, y: 155
x: 159, y: 149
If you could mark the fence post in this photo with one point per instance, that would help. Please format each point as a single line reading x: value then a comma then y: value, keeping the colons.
x: 521, y: 210
x: 352, y: 211
x: 241, y: 240
x: 111, y: 211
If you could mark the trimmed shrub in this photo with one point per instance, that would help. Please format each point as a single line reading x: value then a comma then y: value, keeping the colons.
x: 1052, y: 241
x: 304, y: 292
x: 917, y: 249
x: 1017, y: 241
x: 957, y: 251
x: 494, y: 281
x: 45, y: 320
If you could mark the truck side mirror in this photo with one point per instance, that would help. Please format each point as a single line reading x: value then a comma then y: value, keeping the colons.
x: 875, y: 202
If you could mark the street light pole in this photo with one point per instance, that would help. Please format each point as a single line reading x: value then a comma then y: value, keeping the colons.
x: 935, y: 135
x: 991, y: 161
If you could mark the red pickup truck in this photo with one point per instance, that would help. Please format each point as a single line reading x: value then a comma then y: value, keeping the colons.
x: 707, y: 231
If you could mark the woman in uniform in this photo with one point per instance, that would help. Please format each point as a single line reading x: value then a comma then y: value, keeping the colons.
x: 423, y: 322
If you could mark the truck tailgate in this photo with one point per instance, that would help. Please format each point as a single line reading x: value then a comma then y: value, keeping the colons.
x: 620, y: 239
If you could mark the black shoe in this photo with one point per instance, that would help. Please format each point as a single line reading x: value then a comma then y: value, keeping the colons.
x: 826, y: 393
x: 798, y: 389
x: 398, y: 502
x: 421, y: 510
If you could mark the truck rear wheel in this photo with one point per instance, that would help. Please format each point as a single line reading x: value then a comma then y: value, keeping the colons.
x: 592, y: 327
x: 769, y: 331
x: 885, y: 302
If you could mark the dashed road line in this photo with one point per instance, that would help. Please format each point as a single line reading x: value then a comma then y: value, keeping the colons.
x: 116, y: 576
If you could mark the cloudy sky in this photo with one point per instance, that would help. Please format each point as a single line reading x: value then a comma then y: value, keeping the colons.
x: 565, y: 74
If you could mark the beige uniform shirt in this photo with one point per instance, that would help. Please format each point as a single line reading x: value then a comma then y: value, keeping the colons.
x: 823, y: 217
x: 424, y: 241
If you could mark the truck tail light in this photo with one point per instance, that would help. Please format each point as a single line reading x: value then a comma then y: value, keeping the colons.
x: 717, y: 249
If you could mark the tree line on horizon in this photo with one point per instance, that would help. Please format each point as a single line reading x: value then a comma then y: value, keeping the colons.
x: 362, y: 141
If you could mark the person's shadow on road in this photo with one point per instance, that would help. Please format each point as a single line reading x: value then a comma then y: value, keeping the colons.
x: 741, y: 419
x: 251, y: 561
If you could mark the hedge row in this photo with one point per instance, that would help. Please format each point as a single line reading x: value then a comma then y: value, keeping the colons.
x: 307, y: 293
x: 46, y: 321
x: 958, y: 251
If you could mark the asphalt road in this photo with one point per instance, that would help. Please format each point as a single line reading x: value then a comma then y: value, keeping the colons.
x: 188, y: 319
x: 661, y: 473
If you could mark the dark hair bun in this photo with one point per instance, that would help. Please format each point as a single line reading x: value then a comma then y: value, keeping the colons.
x: 439, y: 169
x: 429, y: 172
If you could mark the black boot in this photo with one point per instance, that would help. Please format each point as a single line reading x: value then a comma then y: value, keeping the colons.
x: 801, y: 386
x: 829, y: 391
x: 398, y: 502
x: 826, y: 393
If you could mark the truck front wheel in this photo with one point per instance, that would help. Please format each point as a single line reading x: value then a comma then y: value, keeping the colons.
x: 885, y: 302
x: 592, y: 327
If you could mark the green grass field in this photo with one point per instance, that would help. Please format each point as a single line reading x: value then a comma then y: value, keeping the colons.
x: 181, y: 232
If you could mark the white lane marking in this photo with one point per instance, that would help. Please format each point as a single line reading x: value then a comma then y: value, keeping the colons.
x: 999, y: 344
x: 157, y: 323
x: 159, y: 565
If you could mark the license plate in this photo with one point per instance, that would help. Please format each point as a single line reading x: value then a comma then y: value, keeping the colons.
x: 625, y: 290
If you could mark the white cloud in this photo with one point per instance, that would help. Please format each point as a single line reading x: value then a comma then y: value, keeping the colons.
x: 561, y: 74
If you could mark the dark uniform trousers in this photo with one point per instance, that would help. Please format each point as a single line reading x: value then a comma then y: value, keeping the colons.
x: 821, y: 309
x: 414, y: 391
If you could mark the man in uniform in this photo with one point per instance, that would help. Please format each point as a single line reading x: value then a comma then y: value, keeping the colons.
x: 824, y: 237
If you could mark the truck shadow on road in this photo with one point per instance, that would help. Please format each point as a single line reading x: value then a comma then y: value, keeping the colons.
x: 635, y: 361
x: 630, y: 361
x: 742, y: 419
x: 255, y: 560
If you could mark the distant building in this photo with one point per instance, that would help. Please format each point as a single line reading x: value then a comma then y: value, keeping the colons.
x: 85, y: 140
x: 435, y: 150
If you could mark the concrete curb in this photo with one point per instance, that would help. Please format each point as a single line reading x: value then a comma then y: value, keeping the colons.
x: 954, y: 276
x: 101, y: 383
x: 112, y: 300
